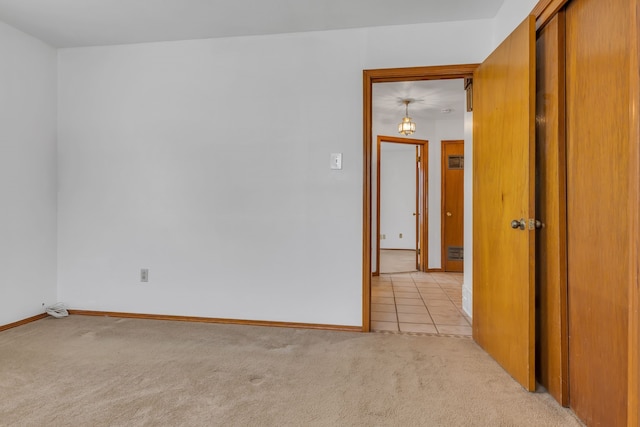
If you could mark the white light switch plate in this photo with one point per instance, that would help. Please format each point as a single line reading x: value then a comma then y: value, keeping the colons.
x: 336, y: 161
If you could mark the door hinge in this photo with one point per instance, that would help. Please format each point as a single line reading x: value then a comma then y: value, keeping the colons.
x: 418, y: 159
x: 468, y: 87
x: 418, y: 251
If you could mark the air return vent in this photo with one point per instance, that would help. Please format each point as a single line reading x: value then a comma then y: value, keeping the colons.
x: 456, y: 162
x: 455, y: 253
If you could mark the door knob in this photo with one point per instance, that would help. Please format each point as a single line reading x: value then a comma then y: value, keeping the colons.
x: 414, y: 214
x: 449, y: 214
x: 521, y: 224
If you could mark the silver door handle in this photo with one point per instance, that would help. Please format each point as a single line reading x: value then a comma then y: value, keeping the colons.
x: 521, y: 224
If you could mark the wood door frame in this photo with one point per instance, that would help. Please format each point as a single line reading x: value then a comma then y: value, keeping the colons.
x: 633, y: 415
x: 424, y: 219
x: 442, y: 72
x: 443, y: 252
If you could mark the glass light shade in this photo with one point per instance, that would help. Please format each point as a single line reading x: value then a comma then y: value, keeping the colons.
x: 407, y: 127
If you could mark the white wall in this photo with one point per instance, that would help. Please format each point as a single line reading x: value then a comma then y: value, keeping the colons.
x: 510, y: 15
x: 398, y: 196
x: 27, y: 175
x: 207, y: 162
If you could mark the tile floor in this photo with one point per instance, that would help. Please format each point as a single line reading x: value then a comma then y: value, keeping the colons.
x: 428, y: 303
x: 397, y: 260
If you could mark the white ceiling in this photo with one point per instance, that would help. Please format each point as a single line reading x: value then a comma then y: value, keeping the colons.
x: 72, y: 23
x: 429, y: 98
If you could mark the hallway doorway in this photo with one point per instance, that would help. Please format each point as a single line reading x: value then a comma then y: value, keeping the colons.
x: 463, y: 72
x: 401, y: 204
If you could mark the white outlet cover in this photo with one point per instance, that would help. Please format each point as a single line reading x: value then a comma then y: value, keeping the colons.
x: 336, y: 161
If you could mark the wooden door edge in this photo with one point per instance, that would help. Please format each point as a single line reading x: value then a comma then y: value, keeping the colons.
x: 424, y: 218
x: 545, y: 10
x: 562, y: 162
x: 633, y: 391
x: 378, y: 181
x: 443, y: 262
x: 367, y: 120
x: 532, y: 197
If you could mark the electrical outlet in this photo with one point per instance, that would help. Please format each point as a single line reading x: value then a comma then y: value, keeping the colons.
x: 144, y: 275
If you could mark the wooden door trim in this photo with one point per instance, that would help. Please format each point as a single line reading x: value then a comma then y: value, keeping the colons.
x: 633, y: 406
x: 369, y: 77
x: 442, y: 198
x: 424, y: 220
x: 545, y: 10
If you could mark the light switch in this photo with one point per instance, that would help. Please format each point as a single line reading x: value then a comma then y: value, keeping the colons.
x: 336, y: 161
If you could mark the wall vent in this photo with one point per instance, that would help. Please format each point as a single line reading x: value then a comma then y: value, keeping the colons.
x: 456, y: 162
x: 455, y: 253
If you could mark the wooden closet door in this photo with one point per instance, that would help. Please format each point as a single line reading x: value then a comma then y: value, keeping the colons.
x: 551, y: 248
x: 598, y: 208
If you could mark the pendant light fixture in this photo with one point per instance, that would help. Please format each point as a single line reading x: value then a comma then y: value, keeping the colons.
x: 406, y: 127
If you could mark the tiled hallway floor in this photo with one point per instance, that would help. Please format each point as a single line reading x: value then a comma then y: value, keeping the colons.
x: 419, y: 302
x: 397, y: 260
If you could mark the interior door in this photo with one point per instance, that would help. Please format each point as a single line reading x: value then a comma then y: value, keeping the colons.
x: 452, y: 205
x: 503, y: 197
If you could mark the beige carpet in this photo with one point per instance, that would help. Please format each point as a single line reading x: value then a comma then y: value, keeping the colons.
x: 95, y: 371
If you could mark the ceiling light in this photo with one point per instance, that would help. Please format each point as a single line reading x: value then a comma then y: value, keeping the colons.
x: 406, y: 127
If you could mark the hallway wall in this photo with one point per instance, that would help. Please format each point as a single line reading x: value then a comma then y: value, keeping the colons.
x: 27, y: 175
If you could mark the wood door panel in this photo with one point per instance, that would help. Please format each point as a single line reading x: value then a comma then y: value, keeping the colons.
x: 503, y: 190
x: 597, y: 86
x: 452, y: 203
x: 551, y: 251
x: 634, y: 226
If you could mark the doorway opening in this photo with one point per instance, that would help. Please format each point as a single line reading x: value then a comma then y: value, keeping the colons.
x: 401, y: 204
x: 464, y: 71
